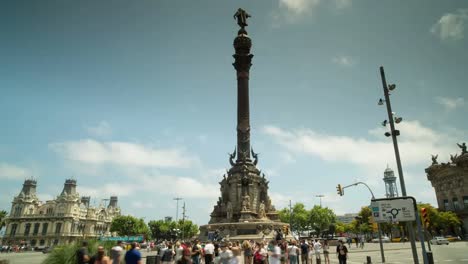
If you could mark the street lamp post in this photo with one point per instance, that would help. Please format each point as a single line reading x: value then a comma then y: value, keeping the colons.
x: 177, y: 209
x: 320, y: 196
x: 394, y: 133
x: 290, y: 217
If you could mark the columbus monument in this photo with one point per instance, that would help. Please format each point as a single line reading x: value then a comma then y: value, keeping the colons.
x: 244, y: 210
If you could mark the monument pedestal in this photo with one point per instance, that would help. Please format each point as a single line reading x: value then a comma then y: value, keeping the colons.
x: 243, y: 230
x: 246, y: 216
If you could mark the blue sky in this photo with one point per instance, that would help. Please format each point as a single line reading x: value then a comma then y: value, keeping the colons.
x: 138, y: 98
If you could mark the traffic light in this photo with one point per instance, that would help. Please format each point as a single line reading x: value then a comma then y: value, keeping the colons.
x: 285, y: 230
x: 425, y: 217
x: 339, y: 190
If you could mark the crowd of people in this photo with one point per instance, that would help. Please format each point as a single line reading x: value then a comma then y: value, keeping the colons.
x: 224, y: 252
x: 251, y: 252
x: 131, y: 256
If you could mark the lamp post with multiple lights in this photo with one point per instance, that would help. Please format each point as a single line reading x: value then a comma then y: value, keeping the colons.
x: 392, y: 119
x: 320, y: 196
x: 177, y: 199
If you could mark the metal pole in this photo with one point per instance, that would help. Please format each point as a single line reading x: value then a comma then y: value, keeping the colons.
x: 398, y: 161
x: 428, y: 237
x: 320, y: 196
x: 421, y: 237
x: 290, y: 217
x: 381, y: 244
x: 177, y: 209
x: 183, y: 221
x: 378, y: 225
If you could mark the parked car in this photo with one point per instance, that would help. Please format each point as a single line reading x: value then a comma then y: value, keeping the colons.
x: 385, y: 239
x: 439, y: 241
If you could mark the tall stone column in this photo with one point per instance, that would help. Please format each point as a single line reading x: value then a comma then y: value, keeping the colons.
x: 243, y: 59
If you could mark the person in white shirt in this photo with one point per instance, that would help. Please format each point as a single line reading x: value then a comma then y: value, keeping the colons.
x: 179, y: 250
x: 116, y: 252
x: 275, y: 254
x: 293, y: 253
x: 317, y: 250
x: 209, y: 252
x: 162, y: 249
x: 225, y: 254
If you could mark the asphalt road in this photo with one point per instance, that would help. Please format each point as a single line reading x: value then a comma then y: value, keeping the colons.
x: 401, y: 253
x: 24, y: 258
x: 395, y: 253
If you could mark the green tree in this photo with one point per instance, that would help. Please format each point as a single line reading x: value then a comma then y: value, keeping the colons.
x: 362, y: 223
x: 187, y: 228
x: 127, y: 225
x: 3, y: 215
x: 340, y: 227
x: 448, y: 222
x: 441, y: 223
x: 299, y: 217
x: 433, y: 215
x: 161, y: 229
x: 321, y: 218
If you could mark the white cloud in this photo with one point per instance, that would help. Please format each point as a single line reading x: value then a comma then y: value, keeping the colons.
x: 43, y: 197
x: 292, y: 11
x: 100, y: 130
x: 151, y: 184
x: 12, y: 172
x: 450, y: 103
x: 122, y: 153
x: 451, y: 26
x: 180, y: 186
x: 280, y: 200
x: 346, y: 61
x: 416, y: 144
x: 341, y: 4
x: 143, y: 204
x: 298, y: 7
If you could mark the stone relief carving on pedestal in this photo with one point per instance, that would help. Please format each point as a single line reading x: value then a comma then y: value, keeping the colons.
x: 246, y: 203
x: 261, y: 210
x: 229, y: 210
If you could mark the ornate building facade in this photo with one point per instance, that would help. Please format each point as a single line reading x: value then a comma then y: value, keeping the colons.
x: 65, y: 219
x: 450, y: 181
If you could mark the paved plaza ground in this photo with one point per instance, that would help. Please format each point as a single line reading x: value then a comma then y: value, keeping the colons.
x: 394, y: 253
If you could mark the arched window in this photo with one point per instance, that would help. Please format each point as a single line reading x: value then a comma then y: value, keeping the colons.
x: 27, y: 229
x: 14, y: 227
x: 36, y: 229
x: 49, y: 211
x: 18, y: 210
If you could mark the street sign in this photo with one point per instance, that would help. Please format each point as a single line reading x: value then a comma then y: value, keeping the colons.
x: 124, y: 238
x: 401, y: 209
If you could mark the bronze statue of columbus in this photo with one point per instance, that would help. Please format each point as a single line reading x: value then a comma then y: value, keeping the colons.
x: 241, y: 15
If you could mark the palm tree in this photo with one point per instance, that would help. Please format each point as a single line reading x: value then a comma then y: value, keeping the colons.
x: 3, y: 215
